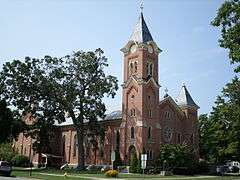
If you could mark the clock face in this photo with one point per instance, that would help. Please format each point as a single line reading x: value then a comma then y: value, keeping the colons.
x: 168, y: 134
x: 133, y: 48
x: 150, y: 49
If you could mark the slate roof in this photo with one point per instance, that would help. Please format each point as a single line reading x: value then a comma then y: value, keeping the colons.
x: 114, y: 115
x: 111, y: 116
x: 185, y: 99
x: 141, y: 33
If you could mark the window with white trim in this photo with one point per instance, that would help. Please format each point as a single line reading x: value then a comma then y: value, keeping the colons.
x: 150, y: 113
x: 132, y: 112
x: 149, y: 68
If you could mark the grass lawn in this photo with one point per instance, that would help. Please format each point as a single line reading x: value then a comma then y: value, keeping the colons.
x: 58, y: 175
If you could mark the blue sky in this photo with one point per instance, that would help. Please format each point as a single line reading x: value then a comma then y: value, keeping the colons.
x: 180, y: 28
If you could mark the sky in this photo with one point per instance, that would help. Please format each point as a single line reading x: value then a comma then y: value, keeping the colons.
x: 182, y: 29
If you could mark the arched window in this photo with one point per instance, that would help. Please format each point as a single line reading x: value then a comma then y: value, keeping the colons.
x: 149, y: 69
x: 167, y: 115
x: 63, y: 146
x: 135, y: 66
x: 132, y: 133
x: 131, y: 67
x: 118, y: 140
x: 133, y: 112
x: 75, y: 145
x: 150, y: 113
x: 149, y: 132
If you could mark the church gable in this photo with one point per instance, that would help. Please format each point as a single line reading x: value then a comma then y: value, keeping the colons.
x: 168, y: 101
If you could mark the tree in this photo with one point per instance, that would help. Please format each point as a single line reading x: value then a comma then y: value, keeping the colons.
x: 220, y: 131
x: 52, y: 89
x: 172, y: 156
x: 134, y: 163
x: 10, y: 125
x: 205, y: 136
x: 223, y: 126
x: 228, y: 19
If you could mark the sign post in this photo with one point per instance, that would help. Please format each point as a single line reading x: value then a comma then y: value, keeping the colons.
x: 113, y: 157
x: 143, y: 162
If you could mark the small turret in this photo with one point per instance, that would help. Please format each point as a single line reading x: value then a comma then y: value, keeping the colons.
x: 185, y: 100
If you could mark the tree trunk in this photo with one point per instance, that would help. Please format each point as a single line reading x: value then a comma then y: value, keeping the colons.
x: 81, y: 153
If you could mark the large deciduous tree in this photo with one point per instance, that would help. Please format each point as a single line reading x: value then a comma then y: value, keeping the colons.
x: 228, y: 19
x: 10, y: 125
x: 220, y: 131
x: 53, y: 89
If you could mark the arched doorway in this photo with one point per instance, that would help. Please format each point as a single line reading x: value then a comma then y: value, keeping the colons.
x: 131, y: 151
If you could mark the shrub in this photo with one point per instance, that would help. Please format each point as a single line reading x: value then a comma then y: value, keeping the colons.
x: 112, y: 173
x: 6, y: 152
x: 134, y: 163
x: 175, y: 156
x: 20, y: 161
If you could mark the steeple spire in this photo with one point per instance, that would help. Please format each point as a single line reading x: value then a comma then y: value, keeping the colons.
x: 141, y: 7
x: 141, y: 33
x: 185, y: 99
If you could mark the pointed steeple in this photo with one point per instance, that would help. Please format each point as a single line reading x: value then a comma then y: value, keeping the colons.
x: 141, y: 33
x: 185, y: 99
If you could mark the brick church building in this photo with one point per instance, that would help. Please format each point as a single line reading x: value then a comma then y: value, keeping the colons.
x: 145, y: 122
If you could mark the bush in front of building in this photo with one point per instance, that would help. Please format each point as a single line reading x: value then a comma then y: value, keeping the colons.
x: 111, y: 173
x: 20, y: 161
x: 134, y: 163
x: 6, y: 152
x: 177, y: 158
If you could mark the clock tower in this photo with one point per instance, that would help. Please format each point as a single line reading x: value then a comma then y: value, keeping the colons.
x: 140, y: 92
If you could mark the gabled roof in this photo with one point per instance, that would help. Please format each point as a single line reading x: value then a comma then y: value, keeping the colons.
x: 185, y: 99
x: 171, y: 101
x: 141, y: 33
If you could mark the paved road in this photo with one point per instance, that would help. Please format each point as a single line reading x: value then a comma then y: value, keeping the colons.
x: 12, y: 178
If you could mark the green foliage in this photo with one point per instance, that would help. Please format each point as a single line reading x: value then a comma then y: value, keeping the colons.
x: 6, y: 152
x: 219, y: 132
x: 111, y: 173
x: 172, y: 156
x: 220, y: 135
x: 20, y: 161
x: 50, y: 88
x: 10, y: 125
x: 228, y: 19
x: 134, y: 163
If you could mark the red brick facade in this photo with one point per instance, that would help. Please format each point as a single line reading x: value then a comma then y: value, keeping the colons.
x: 146, y: 122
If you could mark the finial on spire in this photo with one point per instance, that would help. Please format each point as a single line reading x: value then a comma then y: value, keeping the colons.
x: 141, y: 6
x: 184, y: 84
x: 166, y: 90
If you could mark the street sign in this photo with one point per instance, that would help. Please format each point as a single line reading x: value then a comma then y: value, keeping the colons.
x: 144, y: 157
x: 144, y: 164
x: 113, y: 156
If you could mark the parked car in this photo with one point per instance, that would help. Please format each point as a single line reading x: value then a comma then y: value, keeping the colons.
x: 233, y: 166
x: 222, y: 169
x: 5, y: 168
